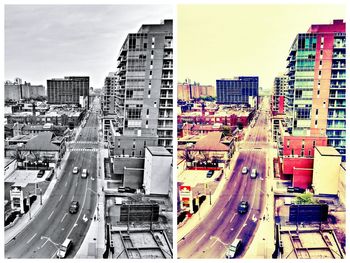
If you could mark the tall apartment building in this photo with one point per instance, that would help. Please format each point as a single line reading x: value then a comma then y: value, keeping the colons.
x: 144, y: 91
x: 315, y: 102
x: 109, y: 91
x: 18, y: 90
x: 280, y: 86
x: 187, y: 91
x: 241, y: 90
x: 69, y: 90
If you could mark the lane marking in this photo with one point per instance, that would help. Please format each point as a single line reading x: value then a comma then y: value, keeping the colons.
x: 233, y: 217
x: 31, y: 238
x: 44, y: 243
x: 50, y: 215
x: 72, y: 198
x: 200, y: 238
x: 219, y: 215
x: 64, y: 217
x: 65, y: 184
x: 213, y: 243
x: 60, y: 198
x: 254, y: 218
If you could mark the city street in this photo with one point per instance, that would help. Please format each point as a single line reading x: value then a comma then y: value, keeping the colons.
x: 213, y: 235
x: 53, y: 224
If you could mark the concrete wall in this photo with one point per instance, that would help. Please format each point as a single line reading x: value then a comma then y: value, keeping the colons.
x: 120, y: 162
x: 133, y: 177
x: 302, y: 178
x: 325, y: 177
x: 133, y: 146
x: 342, y: 184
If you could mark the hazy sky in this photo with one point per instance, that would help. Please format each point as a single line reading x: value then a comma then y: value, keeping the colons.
x: 53, y: 41
x: 223, y: 41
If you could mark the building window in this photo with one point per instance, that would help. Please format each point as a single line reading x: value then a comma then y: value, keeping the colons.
x: 315, y: 122
x: 303, y: 144
x: 155, y: 104
x: 314, y: 144
x: 133, y: 153
x: 147, y: 112
x: 320, y: 62
x: 145, y: 45
x: 321, y: 52
x: 317, y: 110
x: 288, y: 143
x: 302, y: 153
x: 319, y: 72
x: 310, y: 153
x: 292, y: 151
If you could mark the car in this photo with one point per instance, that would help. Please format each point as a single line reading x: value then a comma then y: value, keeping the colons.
x: 130, y: 190
x: 84, y: 173
x: 290, y: 189
x: 74, y: 207
x: 121, y: 189
x: 243, y: 207
x: 299, y: 190
x: 210, y: 173
x: 245, y: 170
x: 40, y: 173
x: 254, y: 173
x: 64, y: 248
x: 75, y: 170
x: 233, y: 248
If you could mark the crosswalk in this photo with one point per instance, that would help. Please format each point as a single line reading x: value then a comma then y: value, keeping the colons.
x: 253, y: 149
x: 82, y: 150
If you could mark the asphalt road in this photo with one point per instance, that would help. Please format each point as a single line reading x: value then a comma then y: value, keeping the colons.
x: 212, y: 236
x: 53, y: 224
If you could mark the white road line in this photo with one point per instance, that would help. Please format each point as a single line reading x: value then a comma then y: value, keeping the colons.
x: 44, y: 243
x: 60, y: 198
x: 219, y: 215
x: 200, y: 238
x: 65, y: 184
x: 50, y: 215
x: 72, y: 198
x: 233, y: 217
x: 213, y: 243
x: 64, y: 217
x: 31, y: 238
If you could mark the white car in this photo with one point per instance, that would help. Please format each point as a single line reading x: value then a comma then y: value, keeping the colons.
x: 233, y: 248
x: 245, y: 170
x: 75, y: 170
x: 84, y: 173
x: 254, y: 173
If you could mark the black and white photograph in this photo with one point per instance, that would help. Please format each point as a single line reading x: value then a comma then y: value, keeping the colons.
x: 88, y: 127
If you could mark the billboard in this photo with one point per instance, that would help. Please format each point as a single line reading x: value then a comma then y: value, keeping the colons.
x: 186, y: 198
x: 308, y: 213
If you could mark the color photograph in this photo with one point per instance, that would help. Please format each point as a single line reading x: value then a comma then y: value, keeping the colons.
x: 261, y: 131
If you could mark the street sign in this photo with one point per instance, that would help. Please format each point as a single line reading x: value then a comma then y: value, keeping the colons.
x: 186, y: 198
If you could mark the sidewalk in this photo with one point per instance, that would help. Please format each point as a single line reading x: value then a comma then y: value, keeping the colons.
x: 262, y: 245
x: 205, y: 207
x: 93, y: 245
x: 23, y: 221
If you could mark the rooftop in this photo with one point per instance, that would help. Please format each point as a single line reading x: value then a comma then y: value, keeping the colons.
x: 211, y: 142
x: 327, y: 151
x: 158, y: 151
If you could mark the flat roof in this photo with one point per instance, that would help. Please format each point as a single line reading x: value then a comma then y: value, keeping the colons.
x: 158, y: 151
x: 327, y: 150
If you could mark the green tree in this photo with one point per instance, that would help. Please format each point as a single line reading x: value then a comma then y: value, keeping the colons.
x: 305, y: 199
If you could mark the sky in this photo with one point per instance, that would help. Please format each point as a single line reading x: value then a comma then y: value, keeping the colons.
x: 224, y: 41
x: 53, y: 41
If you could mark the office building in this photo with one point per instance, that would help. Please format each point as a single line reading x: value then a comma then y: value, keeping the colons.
x: 315, y: 101
x: 241, y: 90
x: 69, y: 90
x: 108, y: 96
x: 187, y: 91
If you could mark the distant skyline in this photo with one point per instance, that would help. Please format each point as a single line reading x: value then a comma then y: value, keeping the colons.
x: 225, y: 41
x: 53, y: 41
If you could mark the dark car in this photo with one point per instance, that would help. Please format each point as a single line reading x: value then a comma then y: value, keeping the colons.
x: 74, y: 207
x: 40, y: 173
x: 299, y: 190
x: 243, y: 207
x: 210, y: 173
x: 126, y: 189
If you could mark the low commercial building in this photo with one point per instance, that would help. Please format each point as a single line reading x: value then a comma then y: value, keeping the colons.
x: 327, y: 170
x: 157, y: 171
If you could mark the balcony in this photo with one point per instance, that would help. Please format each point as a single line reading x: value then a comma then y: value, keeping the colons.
x: 338, y: 76
x: 163, y: 116
x: 166, y: 105
x: 168, y: 56
x: 333, y: 86
x: 339, y: 46
x: 337, y: 96
x: 166, y: 87
x: 336, y: 127
x: 168, y: 66
x: 339, y: 56
x: 336, y: 117
x: 339, y: 66
x: 167, y: 76
x: 168, y: 45
x: 337, y: 105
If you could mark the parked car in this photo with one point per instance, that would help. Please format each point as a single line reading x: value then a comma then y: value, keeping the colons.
x: 75, y: 170
x: 254, y: 173
x: 245, y: 170
x: 291, y: 189
x: 243, y: 207
x: 40, y: 173
x: 210, y: 173
x: 233, y: 248
x: 84, y: 173
x: 126, y: 189
x: 74, y: 207
x: 64, y: 248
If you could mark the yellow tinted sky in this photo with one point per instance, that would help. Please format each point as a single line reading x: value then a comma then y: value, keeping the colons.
x: 223, y: 41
